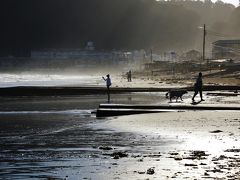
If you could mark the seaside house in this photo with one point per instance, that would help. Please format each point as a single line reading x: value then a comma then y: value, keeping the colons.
x: 192, y: 55
x: 74, y: 57
x: 88, y: 57
x: 223, y: 49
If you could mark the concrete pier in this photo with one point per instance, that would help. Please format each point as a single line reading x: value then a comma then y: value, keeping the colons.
x: 120, y: 112
x: 106, y: 110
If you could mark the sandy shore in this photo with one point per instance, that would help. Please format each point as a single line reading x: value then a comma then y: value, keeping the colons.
x: 181, y: 145
x: 198, y: 145
x: 57, y: 137
x: 55, y: 85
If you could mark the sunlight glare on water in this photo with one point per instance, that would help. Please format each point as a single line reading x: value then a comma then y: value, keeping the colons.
x: 9, y: 80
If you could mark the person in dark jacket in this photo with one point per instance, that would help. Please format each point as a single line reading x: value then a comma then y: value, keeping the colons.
x: 129, y: 74
x: 108, y: 84
x: 198, y: 87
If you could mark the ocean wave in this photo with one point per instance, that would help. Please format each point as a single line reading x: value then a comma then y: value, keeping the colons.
x: 72, y: 111
x: 10, y: 80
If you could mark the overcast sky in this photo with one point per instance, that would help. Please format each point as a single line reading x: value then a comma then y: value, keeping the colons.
x: 234, y: 2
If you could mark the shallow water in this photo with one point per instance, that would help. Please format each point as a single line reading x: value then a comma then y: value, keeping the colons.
x: 52, y: 137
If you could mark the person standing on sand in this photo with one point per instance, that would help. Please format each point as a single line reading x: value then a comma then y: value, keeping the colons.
x: 198, y: 87
x: 129, y: 76
x: 108, y: 84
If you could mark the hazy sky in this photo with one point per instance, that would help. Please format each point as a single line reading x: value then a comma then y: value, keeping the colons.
x: 234, y: 2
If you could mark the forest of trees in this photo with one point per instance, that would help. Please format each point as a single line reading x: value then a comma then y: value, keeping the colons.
x: 113, y: 24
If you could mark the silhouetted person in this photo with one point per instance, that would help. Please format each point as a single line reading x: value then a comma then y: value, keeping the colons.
x: 129, y: 76
x: 198, y: 87
x: 108, y: 84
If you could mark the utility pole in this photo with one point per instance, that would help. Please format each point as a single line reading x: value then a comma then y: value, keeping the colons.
x: 151, y: 55
x: 204, y: 35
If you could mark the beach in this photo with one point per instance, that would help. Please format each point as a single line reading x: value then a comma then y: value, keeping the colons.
x: 120, y: 90
x: 183, y: 144
x: 58, y: 137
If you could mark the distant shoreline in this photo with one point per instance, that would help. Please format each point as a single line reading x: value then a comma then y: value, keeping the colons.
x: 77, y: 90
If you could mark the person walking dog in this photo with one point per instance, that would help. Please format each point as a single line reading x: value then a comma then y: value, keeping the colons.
x: 198, y: 87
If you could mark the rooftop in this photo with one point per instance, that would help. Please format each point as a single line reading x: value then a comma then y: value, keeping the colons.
x: 227, y: 42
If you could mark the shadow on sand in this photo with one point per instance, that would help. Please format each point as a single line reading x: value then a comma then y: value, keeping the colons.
x: 196, y: 102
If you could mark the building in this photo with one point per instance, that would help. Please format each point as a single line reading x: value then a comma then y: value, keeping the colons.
x: 90, y: 46
x: 69, y: 53
x: 223, y: 49
x: 87, y: 57
x: 73, y: 57
x: 193, y: 55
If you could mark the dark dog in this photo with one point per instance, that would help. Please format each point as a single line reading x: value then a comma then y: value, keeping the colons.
x: 176, y: 93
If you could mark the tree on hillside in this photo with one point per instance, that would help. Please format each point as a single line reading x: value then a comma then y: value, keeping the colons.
x: 110, y: 24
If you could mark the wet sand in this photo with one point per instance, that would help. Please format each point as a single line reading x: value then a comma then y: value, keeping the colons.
x: 184, y: 144
x: 59, y: 138
x: 51, y: 137
x: 198, y: 145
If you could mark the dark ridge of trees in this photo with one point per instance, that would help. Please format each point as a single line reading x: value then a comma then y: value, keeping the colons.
x: 110, y: 24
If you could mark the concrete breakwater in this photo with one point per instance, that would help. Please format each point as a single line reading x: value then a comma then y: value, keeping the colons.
x: 67, y: 90
x: 106, y: 110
